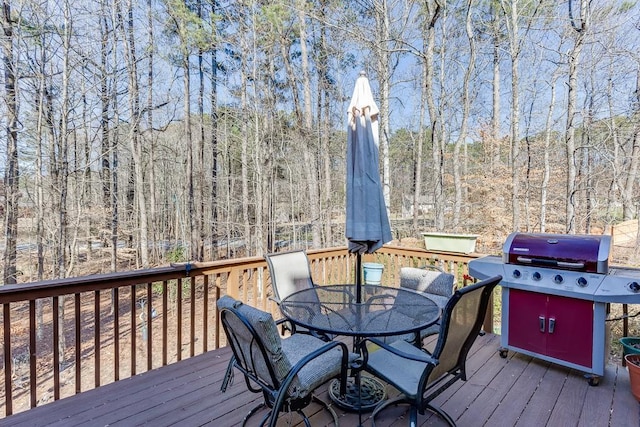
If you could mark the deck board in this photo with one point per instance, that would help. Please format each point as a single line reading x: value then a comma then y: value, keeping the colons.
x: 518, y: 390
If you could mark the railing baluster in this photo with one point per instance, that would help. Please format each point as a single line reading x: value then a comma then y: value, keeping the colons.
x: 32, y: 354
x: 56, y: 348
x: 115, y: 299
x: 179, y: 320
x: 148, y: 323
x: 192, y: 318
x: 165, y: 324
x: 218, y: 325
x: 78, y: 344
x: 245, y: 286
x: 205, y: 313
x: 8, y: 384
x: 96, y: 338
x: 134, y: 332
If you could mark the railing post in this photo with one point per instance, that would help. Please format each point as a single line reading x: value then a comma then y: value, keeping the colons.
x: 233, y: 283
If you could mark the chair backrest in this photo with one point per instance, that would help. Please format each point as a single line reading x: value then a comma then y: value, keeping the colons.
x: 432, y: 281
x: 461, y: 321
x: 256, y: 344
x: 290, y: 272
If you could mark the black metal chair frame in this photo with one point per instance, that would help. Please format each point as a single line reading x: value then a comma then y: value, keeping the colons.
x: 276, y: 397
x: 427, y: 391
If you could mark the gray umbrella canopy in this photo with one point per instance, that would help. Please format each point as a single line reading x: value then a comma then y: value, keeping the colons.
x: 367, y: 227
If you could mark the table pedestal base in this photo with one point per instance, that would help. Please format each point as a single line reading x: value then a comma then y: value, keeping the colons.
x: 371, y: 393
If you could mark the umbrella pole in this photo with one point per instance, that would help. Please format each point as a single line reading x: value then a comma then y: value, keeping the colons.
x: 358, y: 277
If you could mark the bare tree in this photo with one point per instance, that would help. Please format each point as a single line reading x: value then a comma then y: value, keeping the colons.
x: 135, y: 140
x: 466, y: 105
x: 215, y: 229
x: 633, y: 162
x: 510, y: 10
x: 580, y: 26
x: 307, y: 131
x: 433, y: 10
x: 11, y: 177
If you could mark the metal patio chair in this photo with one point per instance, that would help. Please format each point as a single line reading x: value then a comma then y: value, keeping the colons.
x: 432, y: 281
x: 420, y: 376
x: 290, y: 272
x: 285, y: 370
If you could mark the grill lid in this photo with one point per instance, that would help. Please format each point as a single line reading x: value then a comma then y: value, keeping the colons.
x: 587, y: 253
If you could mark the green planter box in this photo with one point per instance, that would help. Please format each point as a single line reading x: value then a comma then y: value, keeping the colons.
x: 461, y: 243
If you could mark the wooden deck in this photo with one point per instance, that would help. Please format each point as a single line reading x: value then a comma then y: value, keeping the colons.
x: 518, y: 390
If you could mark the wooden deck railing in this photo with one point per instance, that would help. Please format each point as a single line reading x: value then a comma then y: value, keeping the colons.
x: 62, y: 337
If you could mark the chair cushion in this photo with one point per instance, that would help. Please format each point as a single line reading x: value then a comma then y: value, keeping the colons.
x: 428, y: 281
x: 316, y: 372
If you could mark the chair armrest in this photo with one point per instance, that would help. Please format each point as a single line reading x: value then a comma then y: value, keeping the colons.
x: 286, y: 383
x: 423, y: 356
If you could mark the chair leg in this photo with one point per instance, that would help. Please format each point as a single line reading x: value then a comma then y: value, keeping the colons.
x: 253, y: 411
x: 384, y: 404
x: 328, y: 407
x: 413, y: 416
x: 442, y: 413
x: 305, y: 419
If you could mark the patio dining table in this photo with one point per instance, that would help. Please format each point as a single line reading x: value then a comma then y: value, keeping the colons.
x: 383, y: 312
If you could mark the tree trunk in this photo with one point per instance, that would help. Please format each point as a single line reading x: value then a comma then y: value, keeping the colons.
x: 214, y: 142
x: 511, y: 17
x: 417, y: 161
x: 188, y: 139
x: 581, y: 28
x: 153, y: 223
x: 466, y: 106
x: 131, y: 59
x: 433, y: 14
x: 384, y: 81
x: 11, y: 178
x: 494, y: 152
x: 546, y: 165
x: 200, y: 149
x: 307, y: 123
x: 324, y: 123
x: 628, y: 206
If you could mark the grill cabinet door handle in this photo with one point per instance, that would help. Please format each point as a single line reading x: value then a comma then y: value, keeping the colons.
x: 552, y: 325
x: 541, y: 321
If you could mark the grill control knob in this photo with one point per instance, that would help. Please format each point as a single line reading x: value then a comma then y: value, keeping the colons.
x: 536, y: 276
x: 634, y: 287
x: 582, y: 282
x: 558, y: 279
x: 516, y: 274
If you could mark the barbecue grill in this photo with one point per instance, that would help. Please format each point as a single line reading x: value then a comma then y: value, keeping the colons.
x: 555, y: 291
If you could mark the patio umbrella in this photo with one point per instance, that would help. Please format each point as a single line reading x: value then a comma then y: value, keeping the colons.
x: 367, y: 227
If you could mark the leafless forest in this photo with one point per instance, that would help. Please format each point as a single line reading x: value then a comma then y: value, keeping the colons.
x: 169, y: 130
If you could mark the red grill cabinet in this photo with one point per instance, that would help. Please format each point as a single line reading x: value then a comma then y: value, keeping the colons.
x: 555, y: 328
